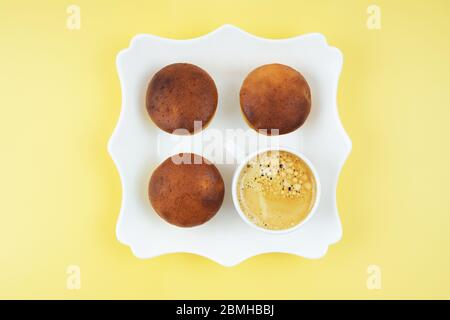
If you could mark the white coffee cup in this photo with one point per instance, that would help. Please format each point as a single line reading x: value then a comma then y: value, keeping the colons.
x: 235, y: 195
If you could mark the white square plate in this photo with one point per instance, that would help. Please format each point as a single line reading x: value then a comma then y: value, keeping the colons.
x: 228, y: 54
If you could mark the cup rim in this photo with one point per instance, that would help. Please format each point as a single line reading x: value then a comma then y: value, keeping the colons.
x: 238, y: 170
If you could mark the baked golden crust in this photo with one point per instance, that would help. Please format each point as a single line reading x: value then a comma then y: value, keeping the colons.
x: 180, y: 94
x: 275, y: 96
x: 186, y: 194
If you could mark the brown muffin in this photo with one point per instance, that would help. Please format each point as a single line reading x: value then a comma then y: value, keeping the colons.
x: 275, y: 96
x: 180, y: 94
x: 186, y: 194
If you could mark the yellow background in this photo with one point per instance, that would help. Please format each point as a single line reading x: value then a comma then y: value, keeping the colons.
x: 61, y: 193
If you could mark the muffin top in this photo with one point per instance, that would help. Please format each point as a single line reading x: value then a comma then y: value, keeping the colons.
x: 180, y: 94
x: 186, y: 190
x: 275, y: 96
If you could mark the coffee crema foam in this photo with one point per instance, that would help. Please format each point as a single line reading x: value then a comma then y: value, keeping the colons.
x: 276, y: 190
